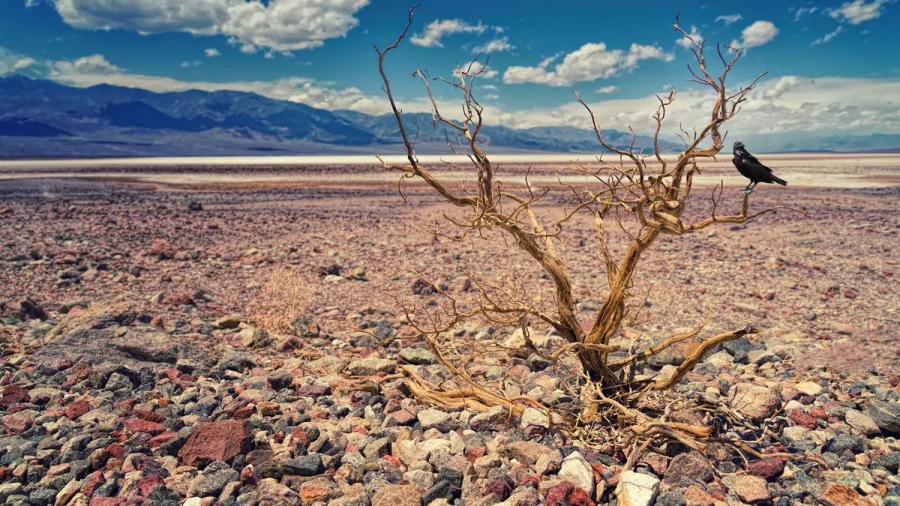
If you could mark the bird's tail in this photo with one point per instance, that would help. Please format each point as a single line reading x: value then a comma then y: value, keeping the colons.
x: 776, y: 179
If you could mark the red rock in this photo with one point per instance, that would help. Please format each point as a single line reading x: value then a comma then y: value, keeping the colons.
x: 150, y: 416
x: 244, y: 412
x: 803, y: 420
x: 116, y: 451
x: 404, y: 417
x: 14, y: 394
x: 247, y: 476
x: 77, y: 408
x: 393, y: 460
x: 474, y: 453
x: 148, y: 483
x: 299, y: 435
x: 818, y: 412
x: 216, y: 441
x: 162, y: 249
x: 578, y: 497
x: 766, y: 468
x: 165, y: 437
x: 94, y: 481
x: 834, y: 494
x: 695, y: 496
x: 138, y: 425
x: 558, y: 494
x: 18, y: 423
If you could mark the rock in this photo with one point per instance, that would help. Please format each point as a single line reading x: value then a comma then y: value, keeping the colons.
x: 274, y: 493
x: 861, y: 422
x: 533, y: 417
x: 234, y: 360
x: 636, y: 489
x: 494, y: 418
x: 305, y: 465
x: 834, y: 494
x: 751, y: 489
x: 254, y: 338
x: 418, y: 356
x: 31, y: 310
x: 766, y: 468
x: 689, y: 468
x: 371, y: 366
x: 576, y: 470
x: 213, y: 480
x: 886, y: 415
x: 216, y: 441
x: 809, y: 388
x: 162, y: 249
x: 526, y: 452
x: 844, y: 442
x: 436, y: 419
x: 754, y: 401
x: 231, y: 321
x: 397, y: 495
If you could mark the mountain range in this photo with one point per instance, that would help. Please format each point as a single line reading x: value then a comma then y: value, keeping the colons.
x: 45, y: 119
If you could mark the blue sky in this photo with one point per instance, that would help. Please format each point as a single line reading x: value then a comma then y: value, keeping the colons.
x: 832, y: 64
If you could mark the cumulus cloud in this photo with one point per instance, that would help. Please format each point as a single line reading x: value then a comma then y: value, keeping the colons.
x: 587, y: 63
x: 211, y: 52
x: 686, y: 42
x: 828, y: 36
x: 282, y: 25
x: 757, y: 34
x: 494, y: 46
x: 11, y: 61
x: 473, y: 68
x: 858, y: 11
x: 607, y: 89
x: 440, y: 28
x: 729, y: 19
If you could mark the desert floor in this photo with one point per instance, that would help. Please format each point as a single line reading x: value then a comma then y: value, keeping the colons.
x: 143, y: 260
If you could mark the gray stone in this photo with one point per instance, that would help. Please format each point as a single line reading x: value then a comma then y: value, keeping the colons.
x: 436, y: 419
x: 418, y: 356
x: 886, y: 415
x: 494, y: 418
x: 305, y: 465
x: 371, y: 366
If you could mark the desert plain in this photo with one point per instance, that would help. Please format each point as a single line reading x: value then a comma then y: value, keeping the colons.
x: 233, y: 332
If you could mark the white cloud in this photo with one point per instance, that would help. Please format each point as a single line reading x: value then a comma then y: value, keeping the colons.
x: 587, y: 63
x: 491, y: 96
x: 606, y: 89
x: 686, y: 42
x: 804, y: 10
x: 474, y: 67
x: 729, y: 19
x: 11, y: 62
x: 828, y: 36
x: 495, y: 46
x: 488, y: 87
x: 94, y: 65
x: 440, y: 28
x: 757, y: 34
x: 195, y: 63
x: 858, y: 11
x: 23, y: 63
x: 283, y: 25
x: 211, y: 52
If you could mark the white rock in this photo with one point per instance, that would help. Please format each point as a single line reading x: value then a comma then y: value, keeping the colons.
x: 861, y: 422
x: 533, y: 416
x: 636, y: 489
x: 808, y: 388
x: 576, y: 470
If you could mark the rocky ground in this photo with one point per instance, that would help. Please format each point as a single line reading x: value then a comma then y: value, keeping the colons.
x: 206, y: 347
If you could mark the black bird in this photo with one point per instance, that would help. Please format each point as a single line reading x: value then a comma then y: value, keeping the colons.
x: 752, y: 169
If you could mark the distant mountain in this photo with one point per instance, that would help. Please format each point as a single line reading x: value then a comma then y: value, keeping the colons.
x: 40, y: 118
x: 874, y: 143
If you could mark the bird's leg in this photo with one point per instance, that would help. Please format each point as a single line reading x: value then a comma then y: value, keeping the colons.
x: 749, y: 188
